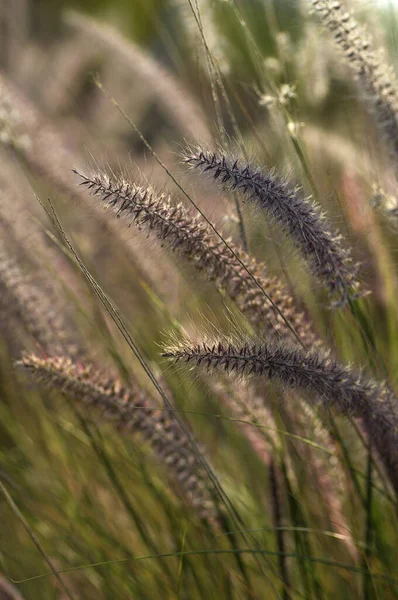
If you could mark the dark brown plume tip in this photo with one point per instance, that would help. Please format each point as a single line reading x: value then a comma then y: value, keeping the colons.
x: 298, y: 216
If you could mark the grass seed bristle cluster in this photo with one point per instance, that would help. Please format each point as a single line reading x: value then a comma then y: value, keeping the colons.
x: 192, y: 239
x: 298, y: 216
x: 132, y: 411
x: 336, y: 386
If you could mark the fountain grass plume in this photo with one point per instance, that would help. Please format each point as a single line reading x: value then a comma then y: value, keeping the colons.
x: 189, y: 236
x: 286, y: 205
x: 131, y: 410
x: 335, y: 385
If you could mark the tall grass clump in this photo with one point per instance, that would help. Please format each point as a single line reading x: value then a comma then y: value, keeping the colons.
x: 198, y: 325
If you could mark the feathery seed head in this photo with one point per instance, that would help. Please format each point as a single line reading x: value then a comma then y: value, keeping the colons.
x: 131, y: 410
x: 296, y: 214
x: 335, y: 385
x: 192, y: 238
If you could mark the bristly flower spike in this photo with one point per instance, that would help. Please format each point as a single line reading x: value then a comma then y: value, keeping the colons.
x: 336, y: 386
x: 298, y: 216
x: 191, y: 238
x: 131, y: 410
x: 375, y: 79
